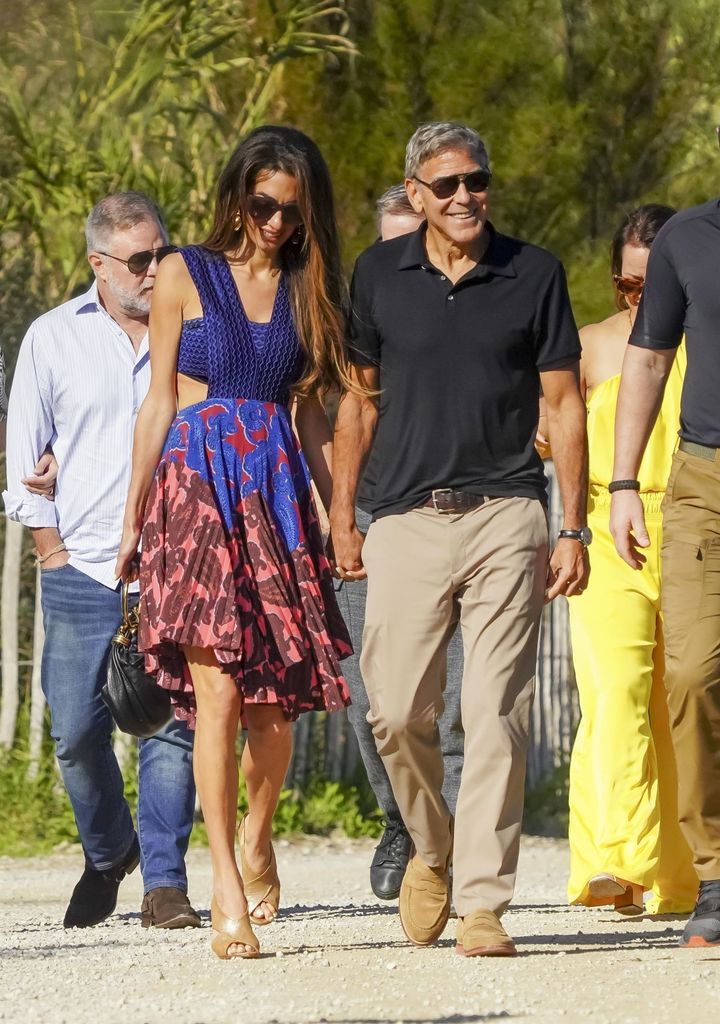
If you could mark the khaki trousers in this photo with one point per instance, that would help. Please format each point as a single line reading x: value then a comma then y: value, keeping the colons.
x: 691, y: 612
x: 426, y: 569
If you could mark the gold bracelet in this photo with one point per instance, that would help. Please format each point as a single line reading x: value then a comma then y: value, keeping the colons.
x: 39, y: 559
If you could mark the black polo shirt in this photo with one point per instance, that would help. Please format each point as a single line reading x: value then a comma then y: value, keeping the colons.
x: 458, y: 366
x: 682, y: 297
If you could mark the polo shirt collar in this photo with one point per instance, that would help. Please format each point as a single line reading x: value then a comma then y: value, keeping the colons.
x: 497, y: 259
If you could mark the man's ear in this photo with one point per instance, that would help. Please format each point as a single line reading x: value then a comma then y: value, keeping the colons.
x: 96, y: 263
x: 413, y: 194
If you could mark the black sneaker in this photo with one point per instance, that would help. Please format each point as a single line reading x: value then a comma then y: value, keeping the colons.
x: 703, y: 928
x: 95, y: 896
x: 390, y: 860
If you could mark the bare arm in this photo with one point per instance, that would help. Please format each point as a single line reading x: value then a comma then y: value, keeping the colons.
x: 567, y: 429
x: 354, y: 433
x: 313, y: 429
x: 160, y: 405
x: 642, y: 386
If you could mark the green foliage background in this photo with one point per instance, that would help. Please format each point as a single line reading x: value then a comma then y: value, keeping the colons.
x: 588, y: 108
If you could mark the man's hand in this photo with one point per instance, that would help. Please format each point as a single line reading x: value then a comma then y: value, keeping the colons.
x: 568, y: 569
x: 43, y: 478
x: 347, y: 547
x: 627, y: 526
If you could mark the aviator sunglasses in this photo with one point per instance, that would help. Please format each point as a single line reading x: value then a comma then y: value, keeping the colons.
x: 630, y: 287
x: 140, y: 261
x: 263, y: 208
x: 443, y: 188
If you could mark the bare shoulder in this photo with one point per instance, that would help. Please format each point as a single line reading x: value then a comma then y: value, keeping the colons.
x: 173, y: 273
x: 603, y: 348
x: 609, y: 333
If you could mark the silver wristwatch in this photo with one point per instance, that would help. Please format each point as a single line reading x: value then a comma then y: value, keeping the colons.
x: 584, y: 535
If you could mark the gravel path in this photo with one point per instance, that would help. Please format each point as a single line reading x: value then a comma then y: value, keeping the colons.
x: 337, y: 955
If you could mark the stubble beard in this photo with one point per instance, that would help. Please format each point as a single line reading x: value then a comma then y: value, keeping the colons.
x: 132, y: 303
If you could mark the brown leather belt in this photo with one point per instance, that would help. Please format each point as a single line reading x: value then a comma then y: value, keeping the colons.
x: 700, y: 451
x: 447, y: 499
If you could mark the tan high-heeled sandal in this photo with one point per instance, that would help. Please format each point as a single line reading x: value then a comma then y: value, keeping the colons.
x: 263, y: 888
x: 626, y: 897
x: 228, y: 930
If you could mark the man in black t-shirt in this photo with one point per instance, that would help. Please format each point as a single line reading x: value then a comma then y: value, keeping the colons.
x: 682, y: 297
x: 395, y: 217
x: 454, y: 328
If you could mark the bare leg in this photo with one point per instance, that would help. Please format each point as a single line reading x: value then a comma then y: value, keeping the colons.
x: 216, y: 775
x: 265, y: 762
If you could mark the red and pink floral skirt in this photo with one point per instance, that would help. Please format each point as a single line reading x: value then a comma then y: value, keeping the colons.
x: 233, y: 560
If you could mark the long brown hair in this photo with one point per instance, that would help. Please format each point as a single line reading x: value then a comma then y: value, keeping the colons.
x: 310, y: 260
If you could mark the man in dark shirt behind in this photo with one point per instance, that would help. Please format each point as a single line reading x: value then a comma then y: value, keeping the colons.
x: 454, y: 329
x: 681, y: 297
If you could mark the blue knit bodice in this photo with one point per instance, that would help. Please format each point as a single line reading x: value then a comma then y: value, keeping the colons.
x: 238, y: 358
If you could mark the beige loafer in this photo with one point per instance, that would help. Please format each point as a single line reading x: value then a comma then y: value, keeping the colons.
x: 424, y: 902
x: 481, y: 934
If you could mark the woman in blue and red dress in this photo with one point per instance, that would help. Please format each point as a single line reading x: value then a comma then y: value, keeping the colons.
x: 238, y: 611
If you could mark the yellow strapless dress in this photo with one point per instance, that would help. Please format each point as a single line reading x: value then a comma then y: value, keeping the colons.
x: 623, y: 803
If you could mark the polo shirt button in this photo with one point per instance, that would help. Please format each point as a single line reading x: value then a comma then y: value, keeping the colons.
x: 442, y: 277
x: 450, y: 298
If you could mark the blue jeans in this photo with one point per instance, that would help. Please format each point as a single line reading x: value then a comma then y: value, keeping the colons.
x: 351, y: 599
x: 80, y: 617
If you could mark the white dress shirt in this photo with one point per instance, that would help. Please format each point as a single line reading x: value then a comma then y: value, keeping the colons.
x: 78, y: 386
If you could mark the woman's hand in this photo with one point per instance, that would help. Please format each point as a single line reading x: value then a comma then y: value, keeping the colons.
x: 126, y: 567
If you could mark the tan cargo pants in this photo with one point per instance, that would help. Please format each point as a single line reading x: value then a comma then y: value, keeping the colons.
x: 691, y: 613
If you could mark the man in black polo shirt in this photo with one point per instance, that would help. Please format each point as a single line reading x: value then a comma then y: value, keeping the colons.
x: 682, y: 297
x: 454, y: 329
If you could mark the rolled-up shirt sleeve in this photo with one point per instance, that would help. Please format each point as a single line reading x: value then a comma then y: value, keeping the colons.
x: 30, y: 428
x: 660, y: 320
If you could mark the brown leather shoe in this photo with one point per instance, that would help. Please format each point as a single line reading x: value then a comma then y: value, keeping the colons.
x: 424, y: 902
x: 481, y: 934
x: 168, y: 908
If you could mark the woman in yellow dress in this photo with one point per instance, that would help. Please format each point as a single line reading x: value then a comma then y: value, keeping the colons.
x: 624, y: 833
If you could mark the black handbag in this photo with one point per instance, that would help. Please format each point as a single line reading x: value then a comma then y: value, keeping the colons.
x: 138, y: 705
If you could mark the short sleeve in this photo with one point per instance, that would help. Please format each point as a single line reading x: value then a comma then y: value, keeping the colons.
x: 660, y: 320
x: 557, y: 343
x: 363, y: 340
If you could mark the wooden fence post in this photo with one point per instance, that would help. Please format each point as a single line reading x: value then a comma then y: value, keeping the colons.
x: 10, y: 699
x: 37, y: 697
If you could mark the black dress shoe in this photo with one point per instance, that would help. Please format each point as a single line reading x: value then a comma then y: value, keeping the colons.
x: 168, y: 908
x: 390, y: 860
x: 95, y: 896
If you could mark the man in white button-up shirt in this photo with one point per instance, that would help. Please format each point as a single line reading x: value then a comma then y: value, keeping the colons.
x: 82, y: 372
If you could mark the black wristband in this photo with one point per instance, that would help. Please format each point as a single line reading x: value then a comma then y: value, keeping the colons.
x: 624, y: 485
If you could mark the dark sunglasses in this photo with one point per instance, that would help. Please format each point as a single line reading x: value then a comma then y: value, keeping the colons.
x: 630, y: 287
x: 263, y: 208
x: 443, y: 188
x: 140, y: 261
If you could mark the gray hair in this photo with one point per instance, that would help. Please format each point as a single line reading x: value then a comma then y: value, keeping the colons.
x: 118, y: 212
x: 439, y: 136
x: 395, y: 201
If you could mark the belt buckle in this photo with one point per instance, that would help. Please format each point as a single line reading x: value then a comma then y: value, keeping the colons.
x: 435, y: 493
